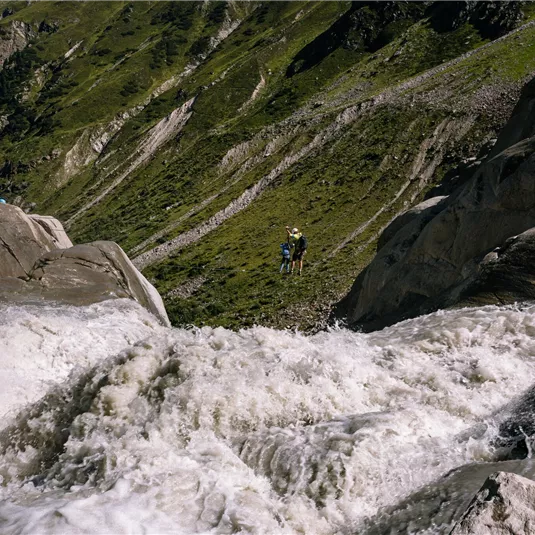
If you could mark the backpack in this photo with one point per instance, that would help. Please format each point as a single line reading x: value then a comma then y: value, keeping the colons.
x: 302, y: 244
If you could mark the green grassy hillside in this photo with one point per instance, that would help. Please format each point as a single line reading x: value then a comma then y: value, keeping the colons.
x: 192, y: 133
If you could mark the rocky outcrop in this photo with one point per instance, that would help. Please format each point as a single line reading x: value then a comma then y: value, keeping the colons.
x: 360, y: 28
x: 22, y: 241
x: 90, y: 145
x: 38, y: 262
x: 437, y: 257
x: 504, y: 505
x: 54, y: 229
x: 490, y: 19
x: 520, y: 126
x: 424, y: 211
x: 15, y: 38
x: 372, y: 25
x: 157, y: 136
x: 506, y: 274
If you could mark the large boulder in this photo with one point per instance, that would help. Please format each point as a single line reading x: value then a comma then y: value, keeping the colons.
x: 437, y: 257
x: 54, y: 229
x: 22, y: 241
x: 504, y: 505
x: 423, y: 212
x: 506, y: 274
x: 38, y: 262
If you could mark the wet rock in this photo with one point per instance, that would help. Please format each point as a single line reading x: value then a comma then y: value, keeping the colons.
x: 516, y: 426
x: 436, y: 508
x: 90, y: 273
x: 506, y: 275
x: 504, y: 505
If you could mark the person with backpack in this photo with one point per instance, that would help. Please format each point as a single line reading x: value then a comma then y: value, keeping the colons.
x: 299, y: 243
x: 285, y: 263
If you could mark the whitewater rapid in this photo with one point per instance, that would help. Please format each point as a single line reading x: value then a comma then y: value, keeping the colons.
x: 41, y: 344
x: 259, y: 431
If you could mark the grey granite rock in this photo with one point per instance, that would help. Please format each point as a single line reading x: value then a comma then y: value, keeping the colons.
x: 424, y: 211
x: 94, y: 272
x: 505, y: 505
x: 15, y: 37
x: 22, y: 242
x: 506, y: 274
x: 54, y: 228
x: 38, y: 262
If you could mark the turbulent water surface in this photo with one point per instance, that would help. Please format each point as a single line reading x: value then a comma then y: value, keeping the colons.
x: 260, y: 431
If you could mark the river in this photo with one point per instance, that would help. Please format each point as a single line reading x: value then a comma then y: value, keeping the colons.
x: 115, y: 424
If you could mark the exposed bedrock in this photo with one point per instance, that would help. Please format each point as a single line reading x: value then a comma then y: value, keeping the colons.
x: 506, y: 275
x: 38, y: 262
x: 473, y: 247
x: 504, y: 505
x: 24, y: 238
x: 15, y: 37
x: 490, y: 19
x: 54, y: 229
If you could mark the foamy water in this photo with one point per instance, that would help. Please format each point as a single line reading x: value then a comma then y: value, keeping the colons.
x: 261, y: 431
x: 41, y: 344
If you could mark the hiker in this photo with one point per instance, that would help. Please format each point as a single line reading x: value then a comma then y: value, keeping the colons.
x: 285, y: 262
x: 298, y: 243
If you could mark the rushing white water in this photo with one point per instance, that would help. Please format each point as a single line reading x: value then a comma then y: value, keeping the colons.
x: 41, y: 344
x: 261, y: 431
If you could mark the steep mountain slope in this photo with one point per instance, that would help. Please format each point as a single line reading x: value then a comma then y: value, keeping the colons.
x: 191, y: 133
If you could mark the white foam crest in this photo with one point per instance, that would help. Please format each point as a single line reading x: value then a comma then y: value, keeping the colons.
x: 264, y: 431
x: 41, y: 344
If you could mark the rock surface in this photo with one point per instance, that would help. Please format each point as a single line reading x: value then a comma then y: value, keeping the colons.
x: 38, y: 262
x: 436, y: 256
x: 14, y: 38
x: 504, y: 505
x: 491, y: 19
x: 22, y: 242
x: 506, y: 275
x: 54, y: 228
x: 520, y: 126
x: 425, y: 210
x: 360, y: 29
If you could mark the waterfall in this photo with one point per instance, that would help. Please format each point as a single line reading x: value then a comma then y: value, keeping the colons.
x: 115, y: 424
